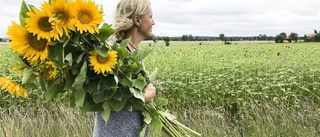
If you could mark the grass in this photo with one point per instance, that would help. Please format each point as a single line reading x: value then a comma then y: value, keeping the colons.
x: 266, y: 118
x: 269, y: 120
x: 52, y: 122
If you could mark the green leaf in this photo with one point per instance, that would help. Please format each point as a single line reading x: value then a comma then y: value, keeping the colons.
x: 79, y: 59
x: 138, y: 68
x: 23, y: 13
x: 126, y: 92
x: 26, y: 75
x: 138, y: 94
x: 106, y: 111
x: 156, y: 125
x: 69, y: 82
x: 140, y: 54
x: 42, y: 82
x: 153, y: 75
x: 115, y: 46
x: 105, y: 32
x: 79, y: 96
x: 126, y: 82
x: 117, y: 105
x: 139, y: 83
x: 161, y: 103
x: 147, y: 117
x: 128, y: 106
x: 56, y: 52
x: 146, y: 74
x: 91, y: 87
x: 118, y: 95
x: 102, y: 50
x: 88, y: 106
x: 31, y: 7
x: 17, y: 61
x: 134, y: 66
x: 66, y: 42
x: 81, y: 78
x: 53, y: 90
x: 122, y: 52
x: 110, y: 81
x: 103, y: 95
x: 69, y: 59
x: 143, y: 130
x: 124, y: 43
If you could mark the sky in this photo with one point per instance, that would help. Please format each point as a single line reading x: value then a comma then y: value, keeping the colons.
x: 208, y: 17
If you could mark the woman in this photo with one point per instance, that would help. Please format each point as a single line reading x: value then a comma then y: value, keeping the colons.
x: 133, y: 19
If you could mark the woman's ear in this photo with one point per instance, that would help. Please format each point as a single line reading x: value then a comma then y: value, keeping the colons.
x: 136, y: 20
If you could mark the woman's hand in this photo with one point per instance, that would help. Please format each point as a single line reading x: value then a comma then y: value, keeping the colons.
x: 172, y: 116
x: 150, y: 93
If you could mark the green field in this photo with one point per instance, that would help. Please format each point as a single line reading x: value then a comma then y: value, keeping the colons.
x: 242, y: 89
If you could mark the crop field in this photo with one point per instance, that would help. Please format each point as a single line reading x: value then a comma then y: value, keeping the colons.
x: 242, y: 89
x: 239, y: 76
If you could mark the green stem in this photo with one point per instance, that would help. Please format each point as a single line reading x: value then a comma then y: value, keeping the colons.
x: 177, y: 127
x: 170, y: 126
x: 85, y: 40
x: 100, y: 42
x: 186, y: 128
x: 168, y: 131
x: 83, y: 47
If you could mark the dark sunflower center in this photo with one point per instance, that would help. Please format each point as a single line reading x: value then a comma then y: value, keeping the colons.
x: 44, y: 24
x: 61, y: 15
x: 102, y: 60
x: 36, y: 44
x: 85, y: 17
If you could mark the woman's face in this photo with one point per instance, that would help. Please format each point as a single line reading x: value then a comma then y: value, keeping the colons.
x: 146, y: 24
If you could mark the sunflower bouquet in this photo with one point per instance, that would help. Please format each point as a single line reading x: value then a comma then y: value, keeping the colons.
x: 62, y: 48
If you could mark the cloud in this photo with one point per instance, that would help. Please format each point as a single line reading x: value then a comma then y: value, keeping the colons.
x: 210, y: 18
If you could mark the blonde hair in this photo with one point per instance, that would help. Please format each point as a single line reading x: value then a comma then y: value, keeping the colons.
x: 123, y: 18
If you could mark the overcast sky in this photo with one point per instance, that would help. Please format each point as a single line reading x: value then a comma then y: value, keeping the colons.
x: 209, y: 17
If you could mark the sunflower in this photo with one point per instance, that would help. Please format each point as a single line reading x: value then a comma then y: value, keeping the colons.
x: 27, y: 44
x: 277, y: 53
x: 16, y: 68
x: 66, y: 72
x: 103, y: 64
x: 39, y: 24
x: 61, y: 14
x: 12, y: 87
x: 50, y: 71
x: 87, y: 16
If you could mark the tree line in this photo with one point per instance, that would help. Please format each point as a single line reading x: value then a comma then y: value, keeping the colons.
x: 280, y: 38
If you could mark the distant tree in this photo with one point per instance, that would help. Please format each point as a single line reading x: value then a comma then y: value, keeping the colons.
x: 270, y: 38
x: 174, y: 39
x: 167, y: 41
x: 316, y: 38
x: 184, y: 37
x: 197, y: 38
x: 280, y: 38
x: 283, y: 34
x: 154, y: 39
x: 305, y: 38
x: 190, y: 37
x: 315, y: 32
x: 221, y: 36
x: 294, y: 36
x: 227, y: 40
x: 0, y: 39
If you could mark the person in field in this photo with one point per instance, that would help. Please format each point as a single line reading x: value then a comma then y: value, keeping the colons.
x: 133, y: 19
